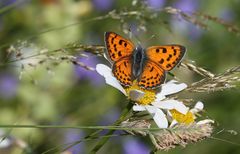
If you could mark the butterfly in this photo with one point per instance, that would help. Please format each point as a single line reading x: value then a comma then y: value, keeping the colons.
x: 147, y: 66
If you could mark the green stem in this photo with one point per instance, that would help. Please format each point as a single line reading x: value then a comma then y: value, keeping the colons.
x: 58, y: 126
x: 92, y: 135
x: 117, y: 122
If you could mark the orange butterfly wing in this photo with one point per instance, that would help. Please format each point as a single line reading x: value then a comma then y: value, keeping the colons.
x: 117, y: 46
x: 122, y: 70
x: 167, y: 56
x: 152, y: 76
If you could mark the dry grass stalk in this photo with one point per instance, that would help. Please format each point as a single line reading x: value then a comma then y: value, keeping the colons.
x: 180, y: 135
x: 165, y: 139
x: 200, y: 19
x: 136, y: 124
x: 197, y: 70
x: 222, y: 81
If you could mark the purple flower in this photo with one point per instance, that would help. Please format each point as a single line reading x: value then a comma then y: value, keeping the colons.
x: 156, y: 4
x: 8, y: 85
x: 74, y: 135
x: 84, y: 74
x: 132, y: 145
x: 187, y: 5
x: 103, y: 5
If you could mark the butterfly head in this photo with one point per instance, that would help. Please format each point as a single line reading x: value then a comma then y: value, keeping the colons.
x: 139, y: 48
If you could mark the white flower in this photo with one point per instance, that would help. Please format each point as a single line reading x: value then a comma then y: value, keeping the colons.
x: 197, y: 108
x: 158, y: 106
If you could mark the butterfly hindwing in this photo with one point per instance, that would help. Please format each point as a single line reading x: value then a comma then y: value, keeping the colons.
x: 117, y: 46
x: 152, y: 76
x: 167, y: 56
x: 122, y: 70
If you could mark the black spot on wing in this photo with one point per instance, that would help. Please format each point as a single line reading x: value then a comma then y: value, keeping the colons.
x: 120, y: 42
x: 119, y: 53
x: 161, y: 61
x: 164, y: 50
x: 174, y: 52
x: 151, y: 69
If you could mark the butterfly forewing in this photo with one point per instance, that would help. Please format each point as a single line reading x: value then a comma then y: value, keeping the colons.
x: 117, y: 46
x: 167, y: 56
x: 152, y: 76
x: 122, y: 70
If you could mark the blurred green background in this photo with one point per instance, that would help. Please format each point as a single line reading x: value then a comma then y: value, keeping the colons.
x: 65, y: 94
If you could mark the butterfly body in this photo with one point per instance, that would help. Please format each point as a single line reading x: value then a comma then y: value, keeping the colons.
x: 138, y: 59
x: 146, y: 66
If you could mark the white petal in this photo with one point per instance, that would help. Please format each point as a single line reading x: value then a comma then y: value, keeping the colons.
x: 171, y: 87
x: 151, y: 109
x: 135, y: 95
x: 159, y: 97
x: 169, y: 114
x: 206, y: 121
x: 173, y: 123
x: 199, y: 105
x: 197, y: 108
x: 172, y: 104
x: 106, y: 72
x: 158, y: 116
x: 160, y: 119
x: 139, y: 108
x: 163, y: 105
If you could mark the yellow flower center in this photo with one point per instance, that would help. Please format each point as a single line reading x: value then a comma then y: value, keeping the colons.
x: 187, y: 118
x: 148, y: 97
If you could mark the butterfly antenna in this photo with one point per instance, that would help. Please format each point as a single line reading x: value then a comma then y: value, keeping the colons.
x: 152, y: 37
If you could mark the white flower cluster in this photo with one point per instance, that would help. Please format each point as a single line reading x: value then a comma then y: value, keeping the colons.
x: 160, y: 108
